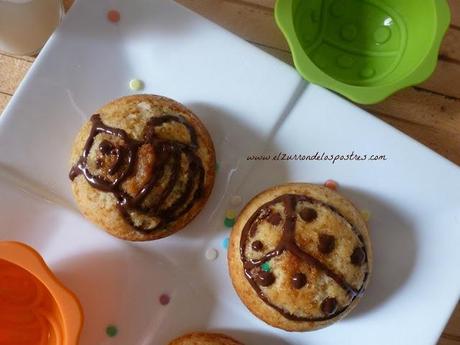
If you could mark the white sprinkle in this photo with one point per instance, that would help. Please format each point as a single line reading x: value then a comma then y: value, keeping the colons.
x: 235, y: 200
x: 211, y: 254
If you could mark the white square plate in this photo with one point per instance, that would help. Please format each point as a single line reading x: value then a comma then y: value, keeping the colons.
x: 252, y: 104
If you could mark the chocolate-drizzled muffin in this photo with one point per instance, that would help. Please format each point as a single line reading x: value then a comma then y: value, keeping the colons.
x: 204, y: 339
x: 142, y: 167
x: 300, y: 256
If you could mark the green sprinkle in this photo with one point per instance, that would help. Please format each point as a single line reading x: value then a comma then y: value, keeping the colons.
x: 111, y: 331
x: 265, y: 267
x: 229, y: 222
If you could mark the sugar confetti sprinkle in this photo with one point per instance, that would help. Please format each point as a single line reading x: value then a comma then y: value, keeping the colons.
x: 136, y: 84
x: 231, y: 214
x: 164, y: 299
x: 331, y: 184
x: 113, y: 16
x: 229, y: 222
x: 265, y: 267
x: 211, y: 254
x: 111, y: 330
x: 235, y: 200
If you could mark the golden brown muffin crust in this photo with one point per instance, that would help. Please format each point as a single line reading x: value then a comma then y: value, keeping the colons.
x: 164, y: 158
x: 300, y: 256
x: 204, y: 339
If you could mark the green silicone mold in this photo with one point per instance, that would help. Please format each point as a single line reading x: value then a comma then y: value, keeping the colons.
x: 364, y: 49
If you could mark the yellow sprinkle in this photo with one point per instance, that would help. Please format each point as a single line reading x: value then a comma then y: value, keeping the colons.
x: 136, y: 84
x: 230, y: 214
x: 235, y: 200
x: 366, y: 215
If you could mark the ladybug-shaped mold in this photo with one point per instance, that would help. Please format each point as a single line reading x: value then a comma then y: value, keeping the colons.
x: 357, y: 42
x: 364, y: 49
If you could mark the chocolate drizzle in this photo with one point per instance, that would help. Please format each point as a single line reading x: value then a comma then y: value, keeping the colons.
x: 274, y: 218
x: 168, y: 153
x: 265, y: 278
x: 288, y: 243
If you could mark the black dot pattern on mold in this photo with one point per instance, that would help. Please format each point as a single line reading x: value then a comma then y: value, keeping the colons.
x: 287, y: 243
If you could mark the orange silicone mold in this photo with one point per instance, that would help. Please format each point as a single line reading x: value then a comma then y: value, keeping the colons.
x: 36, y: 309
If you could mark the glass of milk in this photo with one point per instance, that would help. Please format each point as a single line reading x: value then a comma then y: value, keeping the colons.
x: 25, y: 25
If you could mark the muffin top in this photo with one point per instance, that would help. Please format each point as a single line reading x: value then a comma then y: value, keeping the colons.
x: 151, y: 155
x: 304, y: 251
x: 204, y: 339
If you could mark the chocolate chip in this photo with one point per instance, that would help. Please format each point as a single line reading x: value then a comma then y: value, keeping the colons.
x: 106, y: 147
x: 299, y: 280
x: 358, y: 256
x: 274, y: 218
x: 326, y: 243
x: 308, y: 214
x: 265, y: 278
x: 253, y: 229
x: 115, y: 151
x: 329, y: 306
x: 99, y: 163
x: 257, y: 246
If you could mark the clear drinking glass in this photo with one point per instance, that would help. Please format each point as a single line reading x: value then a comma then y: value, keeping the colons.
x: 25, y: 25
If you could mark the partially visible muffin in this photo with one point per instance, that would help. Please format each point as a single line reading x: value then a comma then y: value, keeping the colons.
x: 300, y: 256
x: 204, y: 339
x: 143, y: 167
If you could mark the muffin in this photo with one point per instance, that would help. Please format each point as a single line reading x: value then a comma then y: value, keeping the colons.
x: 300, y: 256
x: 204, y: 339
x: 142, y: 167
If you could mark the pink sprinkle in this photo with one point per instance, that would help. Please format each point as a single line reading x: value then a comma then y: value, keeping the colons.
x: 331, y: 184
x: 113, y: 16
x: 164, y: 299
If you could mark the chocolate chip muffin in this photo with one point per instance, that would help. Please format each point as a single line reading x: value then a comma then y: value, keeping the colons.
x: 142, y: 167
x: 204, y: 339
x: 300, y: 256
